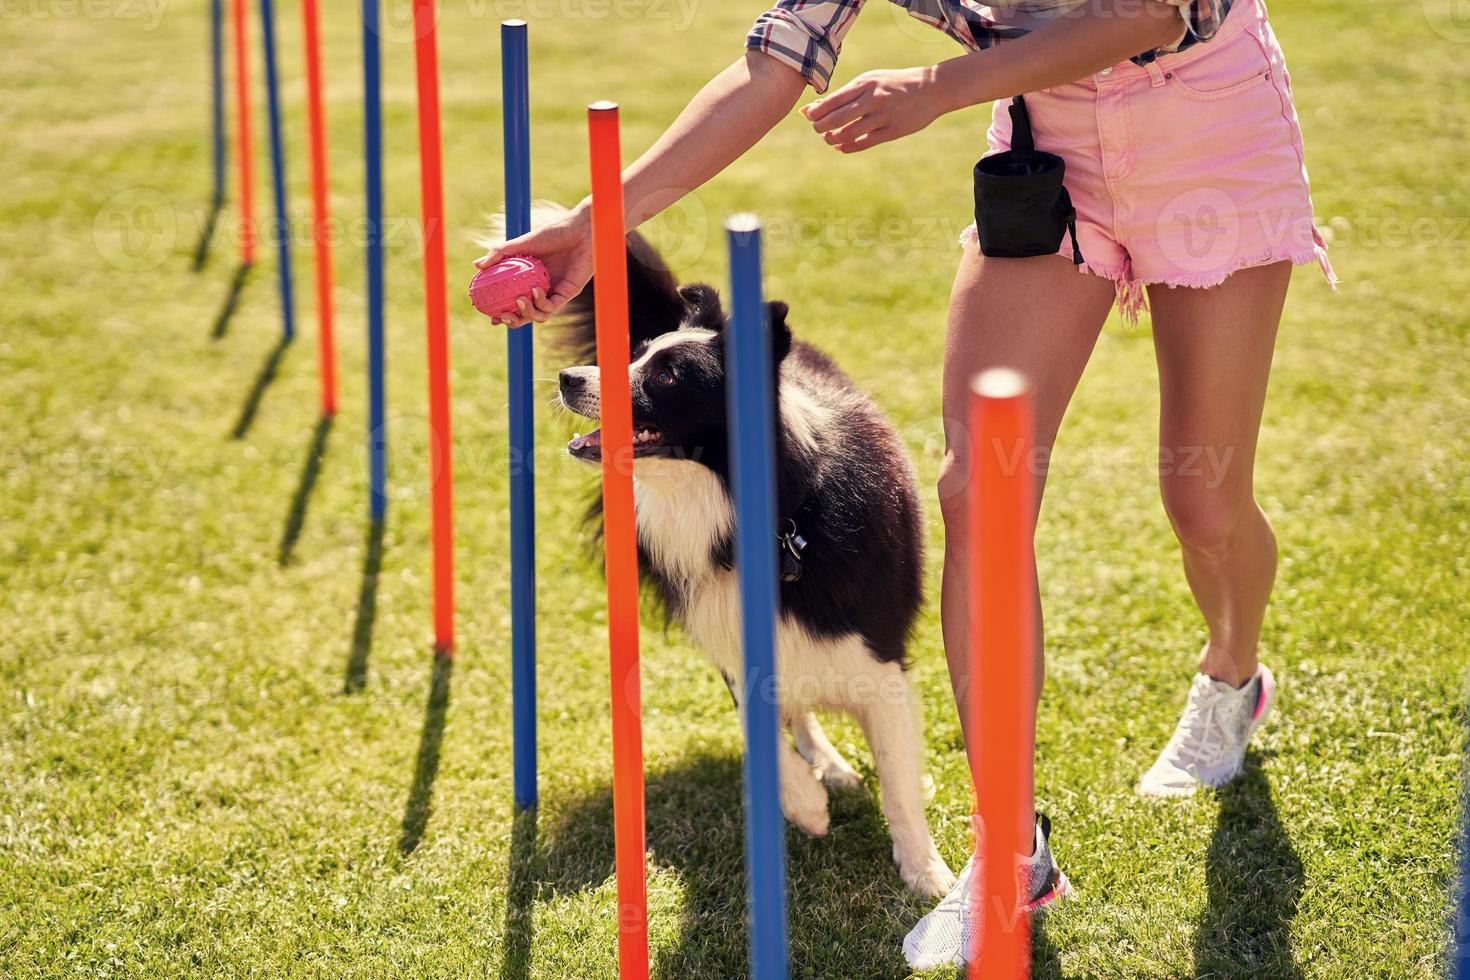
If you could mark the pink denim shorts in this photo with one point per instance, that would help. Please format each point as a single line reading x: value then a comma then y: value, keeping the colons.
x: 1183, y: 170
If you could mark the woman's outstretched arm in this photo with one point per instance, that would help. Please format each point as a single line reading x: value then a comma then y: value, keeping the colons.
x: 727, y: 117
x: 880, y: 106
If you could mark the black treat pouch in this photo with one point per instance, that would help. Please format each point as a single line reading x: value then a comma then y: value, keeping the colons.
x: 1021, y: 207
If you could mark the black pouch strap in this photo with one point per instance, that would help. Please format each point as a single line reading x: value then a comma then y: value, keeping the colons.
x: 1071, y: 218
x: 1021, y: 138
x: 1023, y: 143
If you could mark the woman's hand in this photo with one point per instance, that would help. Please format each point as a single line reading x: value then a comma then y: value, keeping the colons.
x: 876, y: 107
x: 565, y: 246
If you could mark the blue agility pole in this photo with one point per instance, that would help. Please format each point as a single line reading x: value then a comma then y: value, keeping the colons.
x: 751, y: 409
x: 515, y: 100
x: 372, y: 137
x: 217, y: 95
x: 1460, y: 934
x: 278, y: 165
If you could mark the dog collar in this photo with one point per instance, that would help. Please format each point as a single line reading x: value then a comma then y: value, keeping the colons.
x: 792, y: 545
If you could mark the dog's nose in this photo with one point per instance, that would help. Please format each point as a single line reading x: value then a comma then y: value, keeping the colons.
x: 572, y: 381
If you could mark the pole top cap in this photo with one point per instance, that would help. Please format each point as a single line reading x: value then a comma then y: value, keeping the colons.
x: 513, y: 22
x: 603, y: 105
x: 1000, y: 382
x: 743, y: 223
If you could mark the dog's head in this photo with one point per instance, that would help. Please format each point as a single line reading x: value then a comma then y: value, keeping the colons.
x: 677, y: 374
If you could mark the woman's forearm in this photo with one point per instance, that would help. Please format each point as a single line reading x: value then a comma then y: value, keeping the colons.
x: 1073, y: 46
x: 727, y: 117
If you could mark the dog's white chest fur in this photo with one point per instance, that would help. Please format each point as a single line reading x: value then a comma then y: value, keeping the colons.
x: 683, y: 512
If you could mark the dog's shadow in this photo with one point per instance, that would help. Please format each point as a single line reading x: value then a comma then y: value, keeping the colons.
x: 845, y: 901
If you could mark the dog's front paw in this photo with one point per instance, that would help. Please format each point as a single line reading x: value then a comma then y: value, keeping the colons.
x: 837, y: 774
x: 804, y: 802
x: 928, y: 875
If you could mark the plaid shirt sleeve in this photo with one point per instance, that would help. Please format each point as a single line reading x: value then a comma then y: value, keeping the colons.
x: 805, y: 34
x: 1202, y: 18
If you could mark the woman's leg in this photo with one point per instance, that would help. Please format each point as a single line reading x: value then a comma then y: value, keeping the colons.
x: 1041, y: 317
x: 1214, y: 352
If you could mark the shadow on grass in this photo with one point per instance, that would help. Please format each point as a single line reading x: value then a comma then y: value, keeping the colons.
x: 206, y: 234
x: 421, y: 793
x: 232, y: 299
x: 1254, y: 877
x: 367, y: 608
x: 846, y: 902
x: 520, y: 897
x: 1045, y: 963
x: 263, y: 380
x: 296, y: 516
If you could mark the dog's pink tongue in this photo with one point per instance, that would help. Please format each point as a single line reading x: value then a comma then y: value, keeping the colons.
x: 592, y: 439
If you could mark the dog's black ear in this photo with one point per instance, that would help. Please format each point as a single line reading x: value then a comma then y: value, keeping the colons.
x: 703, y: 306
x: 780, y: 333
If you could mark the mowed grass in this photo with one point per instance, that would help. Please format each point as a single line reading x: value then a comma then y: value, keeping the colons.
x: 217, y: 763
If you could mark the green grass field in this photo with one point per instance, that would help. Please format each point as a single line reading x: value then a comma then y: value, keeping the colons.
x: 217, y: 763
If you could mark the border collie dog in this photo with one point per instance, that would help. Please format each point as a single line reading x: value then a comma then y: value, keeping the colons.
x: 844, y: 487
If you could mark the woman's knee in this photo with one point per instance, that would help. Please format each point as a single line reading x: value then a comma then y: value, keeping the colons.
x: 1206, y: 520
x: 954, y: 478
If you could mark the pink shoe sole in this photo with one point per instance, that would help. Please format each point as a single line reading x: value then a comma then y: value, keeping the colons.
x: 1264, y: 700
x: 1062, y: 889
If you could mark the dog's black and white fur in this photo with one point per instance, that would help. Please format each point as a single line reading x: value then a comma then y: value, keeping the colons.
x: 843, y: 483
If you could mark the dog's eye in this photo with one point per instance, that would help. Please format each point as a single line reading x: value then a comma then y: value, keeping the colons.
x: 664, y: 378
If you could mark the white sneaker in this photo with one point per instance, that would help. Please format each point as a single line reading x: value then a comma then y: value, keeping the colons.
x: 1208, y: 745
x: 945, y: 934
x: 938, y: 937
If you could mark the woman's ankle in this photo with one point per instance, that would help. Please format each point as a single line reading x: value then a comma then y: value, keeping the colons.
x: 1218, y: 663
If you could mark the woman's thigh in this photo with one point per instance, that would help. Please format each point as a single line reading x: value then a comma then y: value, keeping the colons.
x: 1039, y: 316
x: 1214, y: 349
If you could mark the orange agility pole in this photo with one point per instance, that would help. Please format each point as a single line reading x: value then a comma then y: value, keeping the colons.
x: 610, y: 296
x: 1002, y: 632
x: 242, y: 133
x: 321, y: 238
x: 431, y: 185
